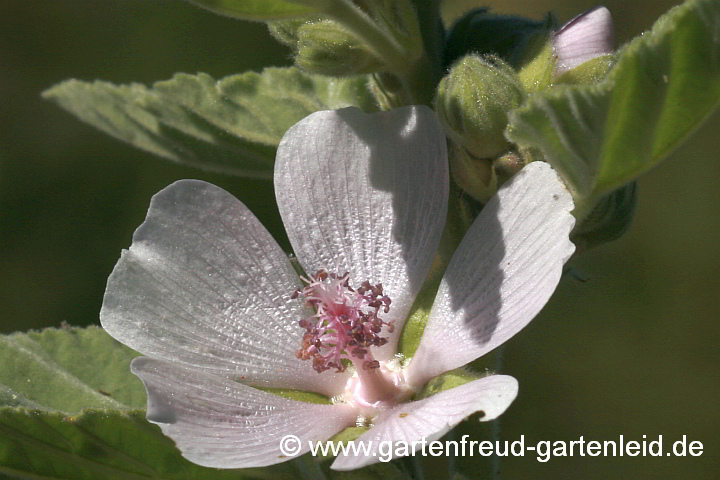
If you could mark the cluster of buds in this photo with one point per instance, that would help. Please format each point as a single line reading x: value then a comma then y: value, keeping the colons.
x: 346, y: 322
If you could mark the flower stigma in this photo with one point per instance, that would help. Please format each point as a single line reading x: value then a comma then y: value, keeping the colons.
x: 346, y: 324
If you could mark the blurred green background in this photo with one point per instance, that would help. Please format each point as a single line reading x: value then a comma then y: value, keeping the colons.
x: 633, y: 351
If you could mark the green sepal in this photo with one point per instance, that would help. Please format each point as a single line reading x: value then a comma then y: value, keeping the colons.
x: 420, y: 311
x: 382, y: 470
x: 299, y: 395
x: 446, y: 381
x: 592, y: 71
x: 348, y: 435
x: 414, y: 328
x: 536, y: 72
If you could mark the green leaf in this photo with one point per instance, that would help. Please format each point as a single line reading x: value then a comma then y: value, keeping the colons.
x: 108, y: 445
x: 262, y: 9
x: 68, y: 370
x: 663, y: 86
x: 71, y: 409
x: 231, y: 125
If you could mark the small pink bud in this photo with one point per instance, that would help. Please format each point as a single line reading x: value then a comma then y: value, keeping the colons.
x: 587, y: 36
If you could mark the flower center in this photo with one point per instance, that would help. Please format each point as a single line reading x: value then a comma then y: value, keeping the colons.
x: 347, y: 323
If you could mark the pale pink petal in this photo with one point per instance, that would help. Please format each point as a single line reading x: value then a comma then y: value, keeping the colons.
x: 502, y: 274
x: 366, y: 194
x: 583, y: 38
x: 432, y: 417
x: 216, y: 422
x: 205, y: 285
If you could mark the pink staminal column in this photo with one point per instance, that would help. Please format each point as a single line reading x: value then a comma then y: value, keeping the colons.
x: 345, y: 326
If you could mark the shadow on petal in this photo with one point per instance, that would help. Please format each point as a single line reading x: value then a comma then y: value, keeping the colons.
x: 411, y: 157
x: 475, y: 291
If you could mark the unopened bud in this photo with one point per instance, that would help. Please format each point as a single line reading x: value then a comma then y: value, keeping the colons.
x: 579, y: 52
x: 591, y: 71
x: 584, y: 38
x: 536, y: 70
x: 286, y: 31
x: 473, y: 102
x: 507, y: 165
x: 327, y: 48
x: 474, y: 175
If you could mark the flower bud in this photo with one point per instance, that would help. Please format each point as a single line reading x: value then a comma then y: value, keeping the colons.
x: 591, y: 71
x: 507, y: 165
x: 474, y: 175
x: 285, y: 31
x: 585, y: 37
x: 325, y: 47
x: 473, y: 101
x: 579, y: 52
x: 536, y: 69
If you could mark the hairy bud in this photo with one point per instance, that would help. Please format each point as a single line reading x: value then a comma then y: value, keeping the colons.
x: 473, y: 101
x: 327, y: 48
x: 584, y: 38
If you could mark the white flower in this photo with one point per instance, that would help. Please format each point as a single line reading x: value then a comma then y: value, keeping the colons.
x: 586, y: 36
x: 211, y: 299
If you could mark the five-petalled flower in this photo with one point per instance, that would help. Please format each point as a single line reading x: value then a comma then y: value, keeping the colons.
x: 216, y: 306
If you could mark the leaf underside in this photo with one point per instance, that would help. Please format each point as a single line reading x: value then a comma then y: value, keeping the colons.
x: 231, y: 125
x: 71, y: 409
